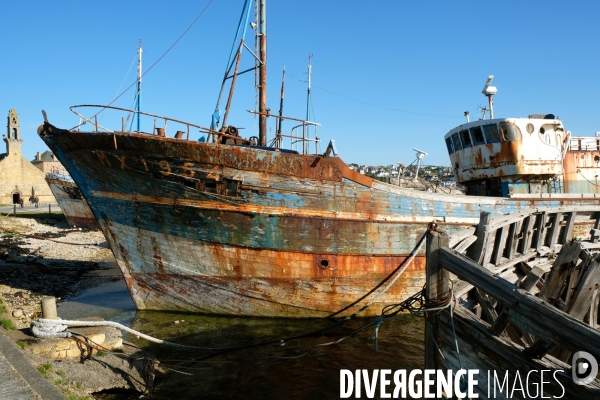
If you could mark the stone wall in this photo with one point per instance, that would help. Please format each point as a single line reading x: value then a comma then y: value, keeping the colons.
x: 18, y: 175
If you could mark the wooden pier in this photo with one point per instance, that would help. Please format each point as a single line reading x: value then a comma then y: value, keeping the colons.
x: 523, y: 294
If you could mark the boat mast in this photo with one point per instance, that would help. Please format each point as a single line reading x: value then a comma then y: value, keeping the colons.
x: 308, y: 94
x: 305, y: 143
x: 139, y: 86
x: 262, y: 93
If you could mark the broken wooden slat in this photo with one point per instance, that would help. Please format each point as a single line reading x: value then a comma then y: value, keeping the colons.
x: 460, y: 236
x: 527, y: 284
x: 499, y: 245
x: 562, y: 268
x: 580, y: 301
x: 568, y: 227
x: 527, y: 234
x: 481, y: 244
x: 553, y: 231
x: 464, y: 245
x: 527, y: 312
x: 511, y: 243
x: 540, y: 228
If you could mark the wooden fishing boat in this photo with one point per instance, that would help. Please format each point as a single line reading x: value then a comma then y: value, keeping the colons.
x: 71, y: 201
x: 523, y: 293
x: 248, y: 226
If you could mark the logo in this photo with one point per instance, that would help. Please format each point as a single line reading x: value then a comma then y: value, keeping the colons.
x: 584, y: 368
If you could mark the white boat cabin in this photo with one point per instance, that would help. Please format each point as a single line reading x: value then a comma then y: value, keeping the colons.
x: 509, y: 156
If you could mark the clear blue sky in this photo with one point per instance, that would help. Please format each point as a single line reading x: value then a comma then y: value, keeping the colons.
x: 388, y: 75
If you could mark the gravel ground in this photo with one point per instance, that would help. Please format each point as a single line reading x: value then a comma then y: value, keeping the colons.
x: 49, y: 258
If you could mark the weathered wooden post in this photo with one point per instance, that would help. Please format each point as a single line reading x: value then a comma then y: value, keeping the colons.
x: 49, y: 208
x: 15, y: 209
x: 49, y: 307
x: 437, y: 285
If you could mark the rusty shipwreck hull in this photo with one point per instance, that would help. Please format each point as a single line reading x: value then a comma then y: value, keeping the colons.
x: 71, y: 202
x: 249, y: 231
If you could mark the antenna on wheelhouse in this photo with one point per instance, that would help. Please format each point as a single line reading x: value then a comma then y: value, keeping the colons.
x: 420, y: 155
x: 138, y: 104
x: 490, y: 91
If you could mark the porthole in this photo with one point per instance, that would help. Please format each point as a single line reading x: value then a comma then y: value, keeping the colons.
x: 530, y: 127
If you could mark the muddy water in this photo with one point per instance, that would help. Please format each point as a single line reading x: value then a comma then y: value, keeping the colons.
x: 247, y: 357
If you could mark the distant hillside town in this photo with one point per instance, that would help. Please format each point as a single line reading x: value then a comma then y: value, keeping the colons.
x: 430, y: 176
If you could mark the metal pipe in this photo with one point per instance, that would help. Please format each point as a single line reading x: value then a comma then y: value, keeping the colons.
x: 262, y: 94
x: 139, y: 86
x: 231, y: 89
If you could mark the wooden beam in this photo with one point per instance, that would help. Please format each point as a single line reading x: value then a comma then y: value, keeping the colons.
x: 562, y: 268
x: 499, y: 246
x: 581, y: 299
x: 540, y: 229
x: 568, y: 227
x: 437, y: 284
x: 479, y: 248
x: 527, y: 312
x: 527, y: 234
x: 553, y: 231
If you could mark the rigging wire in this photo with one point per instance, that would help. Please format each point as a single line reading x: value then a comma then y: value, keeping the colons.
x: 377, y: 105
x: 125, y: 78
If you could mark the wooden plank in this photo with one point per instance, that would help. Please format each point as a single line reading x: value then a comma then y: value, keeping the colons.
x: 553, y: 231
x: 481, y: 350
x: 568, y: 228
x: 487, y: 307
x: 464, y: 245
x: 528, y: 284
x: 527, y: 234
x: 540, y: 229
x: 594, y: 309
x: 513, y: 240
x: 581, y: 299
x: 531, y: 279
x: 479, y: 248
x: 499, y: 245
x: 527, y: 312
x: 562, y: 268
x: 461, y: 235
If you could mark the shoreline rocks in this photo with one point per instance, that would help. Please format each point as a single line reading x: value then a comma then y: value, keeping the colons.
x: 48, y: 258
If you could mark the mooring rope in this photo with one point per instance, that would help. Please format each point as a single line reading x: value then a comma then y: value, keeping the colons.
x: 395, y: 274
x: 57, y: 328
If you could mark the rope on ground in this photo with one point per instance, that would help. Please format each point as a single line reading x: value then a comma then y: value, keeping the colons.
x: 53, y: 328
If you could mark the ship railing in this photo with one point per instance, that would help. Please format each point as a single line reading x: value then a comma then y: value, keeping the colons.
x: 581, y: 143
x: 300, y: 137
x: 161, y: 131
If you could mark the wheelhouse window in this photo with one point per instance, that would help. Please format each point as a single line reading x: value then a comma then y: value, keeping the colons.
x: 509, y: 132
x: 449, y: 145
x: 456, y: 142
x: 491, y: 133
x: 477, y: 134
x: 466, y: 138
